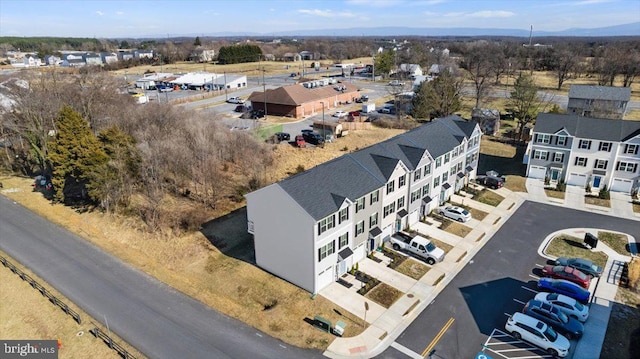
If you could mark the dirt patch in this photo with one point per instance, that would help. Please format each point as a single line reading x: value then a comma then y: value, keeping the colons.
x: 412, y: 268
x: 384, y: 294
x: 554, y: 194
x: 597, y: 201
x: 487, y: 197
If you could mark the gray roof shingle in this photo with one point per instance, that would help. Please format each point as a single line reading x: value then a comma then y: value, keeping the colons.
x: 587, y: 127
x: 321, y: 190
x: 600, y: 92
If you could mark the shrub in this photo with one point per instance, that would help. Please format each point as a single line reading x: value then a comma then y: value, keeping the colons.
x: 561, y: 186
x: 604, y: 193
x: 547, y: 180
x: 299, y: 169
x: 587, y: 188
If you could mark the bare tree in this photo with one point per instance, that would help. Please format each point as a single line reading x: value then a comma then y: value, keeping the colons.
x: 478, y: 61
x: 565, y: 61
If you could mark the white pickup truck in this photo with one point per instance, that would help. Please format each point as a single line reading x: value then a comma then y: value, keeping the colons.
x: 419, y: 246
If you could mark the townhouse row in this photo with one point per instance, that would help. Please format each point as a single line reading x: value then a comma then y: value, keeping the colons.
x: 311, y: 228
x: 585, y: 151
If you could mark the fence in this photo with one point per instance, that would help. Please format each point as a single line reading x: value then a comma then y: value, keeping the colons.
x: 52, y: 298
x: 98, y: 333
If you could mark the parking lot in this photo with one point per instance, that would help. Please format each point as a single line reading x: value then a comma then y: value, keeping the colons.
x: 495, y: 284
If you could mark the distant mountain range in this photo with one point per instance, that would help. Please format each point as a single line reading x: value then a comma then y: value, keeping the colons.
x: 632, y: 29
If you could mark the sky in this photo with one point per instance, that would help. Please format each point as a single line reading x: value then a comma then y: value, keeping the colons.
x: 143, y: 18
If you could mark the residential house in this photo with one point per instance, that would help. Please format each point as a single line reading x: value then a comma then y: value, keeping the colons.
x: 52, y: 60
x: 143, y: 54
x: 126, y: 55
x: 109, y: 57
x: 73, y: 60
x: 488, y: 119
x: 585, y: 150
x: 307, y: 55
x: 304, y: 99
x: 291, y: 56
x: 411, y: 71
x: 92, y: 59
x: 598, y: 101
x: 310, y: 228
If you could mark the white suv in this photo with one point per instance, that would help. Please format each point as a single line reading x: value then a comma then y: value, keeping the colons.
x: 522, y: 326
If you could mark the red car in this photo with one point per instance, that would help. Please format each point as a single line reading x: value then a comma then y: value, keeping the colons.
x: 569, y: 273
x: 300, y: 142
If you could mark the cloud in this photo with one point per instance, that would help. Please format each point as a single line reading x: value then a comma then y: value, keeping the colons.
x: 591, y: 2
x: 430, y: 2
x: 326, y: 13
x: 375, y: 3
x: 481, y: 14
x: 100, y: 13
x: 119, y: 13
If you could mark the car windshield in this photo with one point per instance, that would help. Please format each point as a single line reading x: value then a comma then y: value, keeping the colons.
x: 465, y: 212
x: 551, y: 334
x: 579, y: 306
x: 431, y: 247
x: 563, y: 317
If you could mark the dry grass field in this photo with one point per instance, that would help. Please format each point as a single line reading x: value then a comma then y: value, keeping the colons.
x: 26, y: 314
x: 194, y: 266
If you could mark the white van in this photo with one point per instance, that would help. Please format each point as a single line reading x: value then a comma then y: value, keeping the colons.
x: 529, y: 329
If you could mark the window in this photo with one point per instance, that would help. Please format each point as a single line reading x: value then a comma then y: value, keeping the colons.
x: 561, y: 140
x: 389, y: 209
x: 585, y: 144
x: 360, y: 228
x: 401, y: 181
x: 581, y: 161
x: 627, y: 166
x: 631, y: 149
x: 391, y: 186
x: 374, y: 197
x: 359, y: 204
x: 417, y: 175
x: 436, y: 182
x: 543, y: 138
x: 452, y: 171
x: 343, y: 215
x: 605, y: 146
x: 425, y: 190
x: 445, y: 177
x: 601, y: 164
x: 373, y: 220
x: 455, y: 151
x: 400, y: 202
x: 540, y: 155
x: 558, y: 157
x: 343, y: 240
x: 438, y: 162
x: 326, y: 224
x: 427, y: 169
x: 459, y: 167
x: 326, y: 250
x: 415, y: 195
x: 446, y: 158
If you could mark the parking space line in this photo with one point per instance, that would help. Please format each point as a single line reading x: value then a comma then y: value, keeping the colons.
x: 502, y: 343
x: 529, y: 289
x: 518, y: 301
x: 504, y: 353
x: 507, y: 314
x: 534, y: 276
x: 516, y: 349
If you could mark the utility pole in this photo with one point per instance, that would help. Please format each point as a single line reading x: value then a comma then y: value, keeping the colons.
x: 225, y: 85
x: 324, y: 134
x: 264, y: 93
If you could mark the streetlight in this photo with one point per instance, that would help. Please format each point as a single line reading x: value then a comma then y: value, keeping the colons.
x: 264, y: 93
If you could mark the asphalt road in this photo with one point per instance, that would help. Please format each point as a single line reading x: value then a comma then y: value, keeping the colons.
x: 481, y: 294
x: 158, y: 320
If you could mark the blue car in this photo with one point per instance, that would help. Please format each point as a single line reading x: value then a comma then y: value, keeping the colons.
x: 565, y: 287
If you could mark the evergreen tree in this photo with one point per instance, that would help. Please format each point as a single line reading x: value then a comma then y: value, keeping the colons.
x: 74, y: 155
x: 197, y: 42
x: 384, y: 62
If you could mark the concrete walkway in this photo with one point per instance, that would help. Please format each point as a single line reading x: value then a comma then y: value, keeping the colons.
x: 387, y: 324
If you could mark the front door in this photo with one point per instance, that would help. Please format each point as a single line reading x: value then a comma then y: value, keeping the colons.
x: 343, y: 268
x: 596, y: 181
x: 372, y: 244
x: 442, y: 197
x: 555, y: 174
x: 398, y: 225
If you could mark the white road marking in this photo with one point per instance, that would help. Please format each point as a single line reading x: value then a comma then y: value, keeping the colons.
x: 518, y: 301
x: 539, y: 265
x: 410, y: 353
x: 529, y: 289
x: 258, y: 334
x: 534, y: 276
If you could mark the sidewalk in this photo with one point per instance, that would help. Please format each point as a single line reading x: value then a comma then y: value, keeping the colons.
x: 385, y: 328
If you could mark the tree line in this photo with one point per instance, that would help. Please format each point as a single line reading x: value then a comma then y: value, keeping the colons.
x: 101, y: 150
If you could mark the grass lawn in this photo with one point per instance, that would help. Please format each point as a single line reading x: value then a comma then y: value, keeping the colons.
x: 475, y: 213
x: 25, y: 313
x: 412, y: 268
x: 384, y: 294
x: 616, y: 241
x: 456, y: 228
x: 446, y: 247
x: 487, y: 197
x: 554, y: 194
x: 516, y: 183
x: 570, y: 246
x: 597, y: 201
